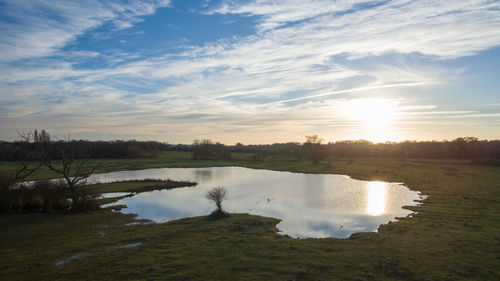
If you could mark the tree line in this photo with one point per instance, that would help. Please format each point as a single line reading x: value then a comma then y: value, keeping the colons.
x: 315, y: 149
x: 460, y: 148
x: 91, y: 149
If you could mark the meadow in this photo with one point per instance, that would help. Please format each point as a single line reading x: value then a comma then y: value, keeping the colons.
x: 455, y: 234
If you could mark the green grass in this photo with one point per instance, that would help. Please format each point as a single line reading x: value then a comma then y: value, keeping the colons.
x: 140, y: 185
x: 136, y: 186
x: 454, y: 236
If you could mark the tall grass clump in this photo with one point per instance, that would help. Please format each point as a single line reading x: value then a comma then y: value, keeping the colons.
x: 43, y: 195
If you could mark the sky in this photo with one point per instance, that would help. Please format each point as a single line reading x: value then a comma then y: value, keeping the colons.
x: 252, y: 71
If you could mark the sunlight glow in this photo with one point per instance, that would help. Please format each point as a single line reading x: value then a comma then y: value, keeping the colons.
x: 375, y: 117
x: 374, y: 111
x: 376, y: 197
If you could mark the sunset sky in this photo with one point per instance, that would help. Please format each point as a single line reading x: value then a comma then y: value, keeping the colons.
x: 251, y: 71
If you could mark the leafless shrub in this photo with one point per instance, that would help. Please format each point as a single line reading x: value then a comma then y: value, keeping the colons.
x: 217, y: 195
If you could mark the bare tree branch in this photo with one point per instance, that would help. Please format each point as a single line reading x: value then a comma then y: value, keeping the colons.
x: 26, y: 157
x: 72, y: 168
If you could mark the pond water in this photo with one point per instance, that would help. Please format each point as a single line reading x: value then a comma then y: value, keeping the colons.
x: 309, y: 205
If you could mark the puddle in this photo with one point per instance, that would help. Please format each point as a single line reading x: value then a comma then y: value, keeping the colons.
x: 80, y: 255
x: 139, y: 223
x: 127, y: 246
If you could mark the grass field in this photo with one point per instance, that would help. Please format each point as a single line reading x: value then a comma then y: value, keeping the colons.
x: 454, y: 236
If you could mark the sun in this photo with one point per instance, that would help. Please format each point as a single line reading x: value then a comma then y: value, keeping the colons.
x: 375, y: 118
x: 379, y: 112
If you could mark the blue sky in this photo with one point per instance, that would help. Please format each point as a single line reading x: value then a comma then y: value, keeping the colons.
x: 251, y: 71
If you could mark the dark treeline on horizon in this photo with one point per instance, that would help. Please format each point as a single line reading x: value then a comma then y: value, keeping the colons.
x: 461, y: 148
x: 92, y: 149
x: 313, y: 149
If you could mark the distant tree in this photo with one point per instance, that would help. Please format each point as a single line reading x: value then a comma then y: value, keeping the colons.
x: 217, y: 195
x: 201, y: 149
x: 294, y: 150
x: 205, y: 149
x: 313, y: 148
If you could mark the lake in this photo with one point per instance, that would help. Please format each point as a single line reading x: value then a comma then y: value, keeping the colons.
x: 309, y: 205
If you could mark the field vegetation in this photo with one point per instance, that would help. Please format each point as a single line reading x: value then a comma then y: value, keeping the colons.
x: 455, y: 234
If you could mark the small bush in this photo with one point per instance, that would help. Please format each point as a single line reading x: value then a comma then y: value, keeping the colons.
x: 86, y: 199
x: 218, y: 214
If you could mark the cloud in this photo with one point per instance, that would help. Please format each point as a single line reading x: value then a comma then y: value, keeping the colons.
x: 351, y: 91
x: 40, y: 28
x: 445, y: 28
x: 480, y: 115
x: 278, y: 13
x: 306, y: 60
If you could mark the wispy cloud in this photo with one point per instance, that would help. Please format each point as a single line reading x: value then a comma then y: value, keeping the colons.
x: 362, y: 89
x: 40, y: 28
x: 480, y: 115
x: 279, y: 13
x: 305, y: 61
x: 439, y: 28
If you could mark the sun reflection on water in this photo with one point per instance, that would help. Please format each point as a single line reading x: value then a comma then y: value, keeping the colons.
x: 377, y: 192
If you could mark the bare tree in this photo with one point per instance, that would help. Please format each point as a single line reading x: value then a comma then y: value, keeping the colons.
x: 73, y: 168
x: 26, y: 157
x: 217, y: 195
x: 28, y: 164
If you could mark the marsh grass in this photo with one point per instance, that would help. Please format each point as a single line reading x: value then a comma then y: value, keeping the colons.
x: 40, y: 196
x: 140, y: 185
x: 454, y: 235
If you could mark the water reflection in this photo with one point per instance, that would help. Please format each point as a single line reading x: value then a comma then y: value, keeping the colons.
x: 309, y: 205
x: 203, y: 175
x: 376, y: 198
